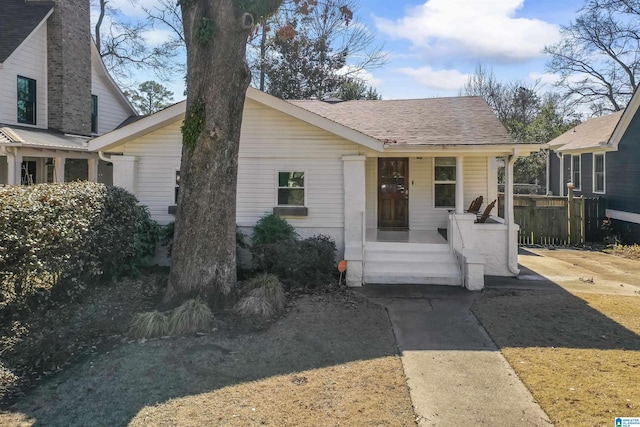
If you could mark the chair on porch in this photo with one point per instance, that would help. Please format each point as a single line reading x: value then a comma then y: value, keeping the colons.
x: 474, y: 207
x: 485, y: 215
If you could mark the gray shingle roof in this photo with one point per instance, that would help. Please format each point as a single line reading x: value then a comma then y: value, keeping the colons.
x: 591, y: 134
x: 42, y: 138
x: 433, y: 121
x: 19, y: 19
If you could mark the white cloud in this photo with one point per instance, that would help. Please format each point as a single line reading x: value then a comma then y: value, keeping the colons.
x: 364, y: 75
x: 446, y: 80
x: 545, y: 79
x: 157, y: 37
x: 482, y: 29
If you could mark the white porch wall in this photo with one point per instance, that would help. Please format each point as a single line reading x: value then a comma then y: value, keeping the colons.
x: 422, y: 214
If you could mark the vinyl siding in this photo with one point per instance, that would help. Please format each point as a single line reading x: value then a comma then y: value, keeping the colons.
x: 623, y: 171
x: 422, y: 214
x: 29, y: 60
x: 270, y: 142
x: 111, y: 109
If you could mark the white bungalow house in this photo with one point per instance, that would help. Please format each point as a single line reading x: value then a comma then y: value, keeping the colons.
x: 55, y: 94
x: 388, y: 180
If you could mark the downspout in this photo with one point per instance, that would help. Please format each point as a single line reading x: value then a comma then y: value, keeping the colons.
x: 104, y: 158
x: 510, y: 217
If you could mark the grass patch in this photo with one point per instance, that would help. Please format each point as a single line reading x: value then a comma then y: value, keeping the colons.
x: 264, y: 297
x: 330, y: 360
x: 579, y: 355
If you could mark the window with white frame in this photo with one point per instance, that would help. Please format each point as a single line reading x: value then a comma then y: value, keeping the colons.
x: 444, y: 173
x: 598, y: 173
x: 291, y: 188
x: 576, y: 163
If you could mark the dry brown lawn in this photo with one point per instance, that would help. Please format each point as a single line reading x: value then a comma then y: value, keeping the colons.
x: 331, y: 360
x: 579, y: 355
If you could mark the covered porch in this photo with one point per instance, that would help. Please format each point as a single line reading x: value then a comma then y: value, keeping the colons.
x: 406, y: 219
x: 35, y: 156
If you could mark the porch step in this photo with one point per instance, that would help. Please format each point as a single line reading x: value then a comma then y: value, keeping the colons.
x: 409, y: 263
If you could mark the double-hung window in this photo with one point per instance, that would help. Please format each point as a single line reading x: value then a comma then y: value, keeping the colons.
x: 291, y: 188
x: 576, y: 166
x: 599, y: 173
x: 26, y: 100
x: 444, y: 182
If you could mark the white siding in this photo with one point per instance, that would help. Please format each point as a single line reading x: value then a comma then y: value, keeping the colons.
x: 111, y: 108
x: 270, y: 141
x: 422, y: 214
x: 158, y: 156
x: 29, y: 60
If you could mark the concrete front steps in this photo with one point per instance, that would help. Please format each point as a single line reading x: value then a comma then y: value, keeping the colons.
x: 410, y: 263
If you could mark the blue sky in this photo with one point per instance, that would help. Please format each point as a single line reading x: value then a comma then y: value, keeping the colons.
x: 433, y: 45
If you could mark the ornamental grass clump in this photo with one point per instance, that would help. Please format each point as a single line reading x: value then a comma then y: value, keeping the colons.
x: 192, y: 316
x: 264, y: 296
x: 151, y: 324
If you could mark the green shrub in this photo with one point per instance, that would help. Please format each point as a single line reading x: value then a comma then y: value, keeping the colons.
x: 56, y: 236
x: 298, y: 263
x: 270, y: 229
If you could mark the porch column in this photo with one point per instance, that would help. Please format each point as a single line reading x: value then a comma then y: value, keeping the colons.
x: 354, y: 216
x: 459, y: 185
x: 93, y: 170
x: 124, y: 172
x: 17, y: 168
x: 11, y: 168
x: 512, y: 227
x: 58, y: 163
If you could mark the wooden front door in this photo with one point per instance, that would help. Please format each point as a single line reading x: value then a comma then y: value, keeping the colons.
x: 393, y: 193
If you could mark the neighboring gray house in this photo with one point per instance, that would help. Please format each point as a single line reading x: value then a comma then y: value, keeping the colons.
x: 380, y: 177
x: 55, y: 93
x: 601, y: 158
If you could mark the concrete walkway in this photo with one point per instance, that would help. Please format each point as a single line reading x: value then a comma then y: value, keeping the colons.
x: 455, y: 373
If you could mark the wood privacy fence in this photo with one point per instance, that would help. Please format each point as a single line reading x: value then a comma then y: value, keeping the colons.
x: 553, y: 220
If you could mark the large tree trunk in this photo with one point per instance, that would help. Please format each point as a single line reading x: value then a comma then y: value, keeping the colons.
x: 204, y: 255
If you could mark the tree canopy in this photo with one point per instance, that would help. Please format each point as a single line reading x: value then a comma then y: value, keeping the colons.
x: 150, y: 97
x: 598, y: 56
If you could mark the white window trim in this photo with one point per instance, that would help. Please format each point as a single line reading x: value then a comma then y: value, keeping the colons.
x: 576, y: 187
x: 306, y: 186
x: 433, y: 187
x: 604, y: 173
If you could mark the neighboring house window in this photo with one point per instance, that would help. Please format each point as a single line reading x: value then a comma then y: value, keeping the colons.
x: 94, y: 114
x: 576, y: 164
x: 291, y: 187
x: 26, y: 100
x: 175, y: 198
x: 445, y: 182
x: 598, y: 173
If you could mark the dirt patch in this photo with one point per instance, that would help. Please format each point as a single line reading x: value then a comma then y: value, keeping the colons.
x: 331, y: 360
x: 585, y: 271
x: 579, y: 355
